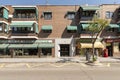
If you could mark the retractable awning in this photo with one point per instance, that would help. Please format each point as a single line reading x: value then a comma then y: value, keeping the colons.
x: 46, y: 45
x: 85, y: 8
x: 3, y: 46
x: 114, y: 26
x: 71, y: 27
x: 84, y: 26
x: 22, y: 23
x: 47, y: 27
x: 89, y: 45
x: 23, y: 46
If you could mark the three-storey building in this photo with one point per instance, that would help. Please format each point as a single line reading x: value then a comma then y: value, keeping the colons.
x: 56, y: 30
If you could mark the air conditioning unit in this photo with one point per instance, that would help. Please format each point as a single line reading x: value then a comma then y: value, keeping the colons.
x: 10, y: 16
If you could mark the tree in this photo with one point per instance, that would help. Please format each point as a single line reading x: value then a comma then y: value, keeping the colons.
x: 95, y: 28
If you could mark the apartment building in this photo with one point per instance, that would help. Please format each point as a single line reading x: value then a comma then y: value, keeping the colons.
x: 55, y: 30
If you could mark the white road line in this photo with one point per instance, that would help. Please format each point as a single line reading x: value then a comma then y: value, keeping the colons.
x: 28, y: 66
x: 59, y: 65
x: 108, y: 65
x: 2, y: 65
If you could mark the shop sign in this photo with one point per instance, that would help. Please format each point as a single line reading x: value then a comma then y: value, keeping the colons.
x: 112, y: 40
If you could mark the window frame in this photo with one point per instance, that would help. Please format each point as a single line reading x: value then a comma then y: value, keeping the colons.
x: 47, y: 15
x: 109, y: 14
x: 71, y: 15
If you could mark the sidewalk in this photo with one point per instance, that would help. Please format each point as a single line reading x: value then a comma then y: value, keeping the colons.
x: 57, y: 60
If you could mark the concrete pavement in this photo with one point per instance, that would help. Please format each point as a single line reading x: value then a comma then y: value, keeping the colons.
x: 59, y: 60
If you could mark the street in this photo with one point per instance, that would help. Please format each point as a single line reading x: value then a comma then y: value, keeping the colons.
x: 59, y: 71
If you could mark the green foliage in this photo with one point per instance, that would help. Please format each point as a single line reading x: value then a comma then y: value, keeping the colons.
x: 97, y: 25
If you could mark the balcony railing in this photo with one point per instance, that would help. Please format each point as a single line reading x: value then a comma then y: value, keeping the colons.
x: 23, y: 34
x: 24, y: 19
x: 86, y: 18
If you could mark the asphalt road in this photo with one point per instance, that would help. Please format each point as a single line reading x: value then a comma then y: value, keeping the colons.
x: 59, y: 71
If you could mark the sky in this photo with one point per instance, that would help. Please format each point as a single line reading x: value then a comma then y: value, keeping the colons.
x: 58, y: 2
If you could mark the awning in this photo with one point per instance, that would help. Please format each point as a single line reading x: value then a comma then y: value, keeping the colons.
x: 22, y: 23
x: 85, y: 8
x: 23, y: 46
x: 3, y: 46
x: 22, y: 8
x: 89, y: 45
x: 46, y: 45
x: 47, y: 27
x: 84, y: 26
x: 114, y: 26
x: 71, y: 27
x: 29, y: 37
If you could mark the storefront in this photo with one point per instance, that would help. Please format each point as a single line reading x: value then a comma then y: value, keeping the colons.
x: 27, y: 48
x: 83, y: 44
x: 113, y: 46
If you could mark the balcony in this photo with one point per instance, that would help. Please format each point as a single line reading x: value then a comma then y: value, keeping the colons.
x: 25, y: 14
x: 24, y: 19
x: 86, y: 18
x: 3, y: 14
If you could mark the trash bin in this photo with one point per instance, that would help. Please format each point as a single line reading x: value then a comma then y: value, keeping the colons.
x: 88, y: 56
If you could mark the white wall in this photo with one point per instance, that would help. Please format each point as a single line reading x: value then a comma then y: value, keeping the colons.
x: 64, y: 41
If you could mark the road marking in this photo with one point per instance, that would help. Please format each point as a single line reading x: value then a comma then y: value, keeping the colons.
x: 37, y: 65
x: 108, y: 65
x: 28, y: 66
x: 58, y: 66
x: 2, y: 65
x: 82, y: 64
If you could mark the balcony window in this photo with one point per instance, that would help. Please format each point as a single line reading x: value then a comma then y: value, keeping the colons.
x: 24, y: 14
x: 21, y: 30
x: 109, y: 15
x: 88, y: 13
x: 47, y: 15
x: 71, y: 15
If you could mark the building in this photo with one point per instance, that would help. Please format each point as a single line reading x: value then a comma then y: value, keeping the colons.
x: 55, y: 30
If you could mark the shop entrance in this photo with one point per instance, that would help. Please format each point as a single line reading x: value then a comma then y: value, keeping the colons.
x: 64, y: 50
x: 110, y: 50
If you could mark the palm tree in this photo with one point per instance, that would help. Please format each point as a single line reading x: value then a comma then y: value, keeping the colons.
x: 95, y: 28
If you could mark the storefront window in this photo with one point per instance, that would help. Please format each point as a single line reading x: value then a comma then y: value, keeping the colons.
x: 46, y: 51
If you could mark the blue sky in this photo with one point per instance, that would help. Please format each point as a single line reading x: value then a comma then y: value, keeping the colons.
x: 57, y: 2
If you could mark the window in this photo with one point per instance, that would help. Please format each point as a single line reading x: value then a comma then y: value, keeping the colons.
x: 1, y: 28
x: 21, y: 29
x: 1, y: 13
x: 27, y: 13
x: 109, y: 15
x: 112, y: 30
x: 71, y: 15
x: 47, y: 31
x: 88, y: 13
x: 47, y: 15
x: 71, y: 31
